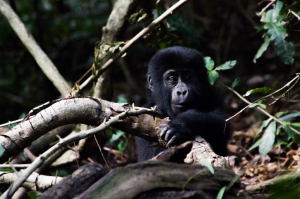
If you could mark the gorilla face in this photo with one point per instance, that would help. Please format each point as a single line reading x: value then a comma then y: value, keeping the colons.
x: 180, y: 83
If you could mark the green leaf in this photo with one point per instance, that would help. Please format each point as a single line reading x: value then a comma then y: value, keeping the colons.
x: 259, y: 103
x: 296, y: 124
x: 272, y: 14
x: 285, y: 50
x: 291, y: 134
x: 2, y: 150
x: 279, y: 129
x: 221, y: 193
x: 209, y: 63
x: 227, y: 65
x: 190, y: 178
x: 264, y: 124
x: 268, y: 139
x: 256, y: 144
x: 262, y: 49
x: 209, y: 166
x: 116, y: 136
x: 34, y: 194
x: 121, y: 146
x: 289, y: 116
x: 280, y: 113
x: 275, y: 30
x: 235, y: 82
x: 122, y: 100
x: 259, y: 90
x: 262, y: 105
x: 212, y: 76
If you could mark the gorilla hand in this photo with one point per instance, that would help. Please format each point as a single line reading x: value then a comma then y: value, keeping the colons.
x: 175, y: 134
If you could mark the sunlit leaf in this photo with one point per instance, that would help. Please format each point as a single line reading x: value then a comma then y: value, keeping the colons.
x: 221, y: 193
x: 264, y: 124
x: 272, y: 14
x: 258, y: 104
x: 235, y: 82
x: 116, y: 136
x: 289, y: 116
x: 227, y: 65
x: 212, y: 76
x: 122, y: 100
x: 279, y: 114
x: 209, y: 63
x: 259, y: 90
x: 256, y: 144
x: 262, y: 49
x: 2, y: 150
x: 268, y: 139
x: 209, y: 166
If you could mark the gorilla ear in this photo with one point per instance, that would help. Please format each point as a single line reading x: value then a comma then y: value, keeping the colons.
x: 150, y: 83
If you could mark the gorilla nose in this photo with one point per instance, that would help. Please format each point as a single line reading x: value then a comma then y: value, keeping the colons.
x: 182, y: 92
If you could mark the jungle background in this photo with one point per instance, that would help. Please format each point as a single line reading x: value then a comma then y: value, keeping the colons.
x: 68, y: 31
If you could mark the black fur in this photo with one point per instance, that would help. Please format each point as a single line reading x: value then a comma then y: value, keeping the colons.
x: 187, y: 98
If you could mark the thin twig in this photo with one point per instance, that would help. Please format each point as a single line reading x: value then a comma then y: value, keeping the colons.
x: 65, y: 141
x: 286, y: 85
x: 266, y: 7
x: 101, y: 152
x: 15, y: 165
x: 130, y: 42
x: 262, y: 110
x: 297, y: 16
x: 11, y: 122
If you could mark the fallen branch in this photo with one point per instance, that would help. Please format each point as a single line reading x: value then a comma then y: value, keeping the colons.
x: 70, y: 139
x: 289, y: 177
x: 33, y: 182
x: 69, y: 111
x: 75, y: 184
x: 137, y: 179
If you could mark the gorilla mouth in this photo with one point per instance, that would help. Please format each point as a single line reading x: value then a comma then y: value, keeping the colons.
x: 180, y: 105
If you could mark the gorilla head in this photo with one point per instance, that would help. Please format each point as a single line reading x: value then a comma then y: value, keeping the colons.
x: 177, y: 78
x: 178, y: 85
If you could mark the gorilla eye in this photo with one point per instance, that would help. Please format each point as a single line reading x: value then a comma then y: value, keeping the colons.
x: 188, y: 77
x: 171, y: 79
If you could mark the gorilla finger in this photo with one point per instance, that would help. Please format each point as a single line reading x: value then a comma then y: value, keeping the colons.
x: 169, y: 135
x: 163, y: 133
x: 172, y: 141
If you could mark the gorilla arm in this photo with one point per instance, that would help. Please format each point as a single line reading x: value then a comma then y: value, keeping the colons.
x: 191, y: 123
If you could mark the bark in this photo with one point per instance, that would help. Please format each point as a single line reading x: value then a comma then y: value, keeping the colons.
x: 33, y: 182
x: 76, y: 183
x: 115, y: 22
x: 93, y: 112
x: 130, y: 181
x: 76, y: 110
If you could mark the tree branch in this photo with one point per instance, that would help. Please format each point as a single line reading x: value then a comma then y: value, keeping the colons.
x: 91, y: 111
x: 64, y: 142
x: 38, y: 54
x: 33, y: 182
x: 129, y: 43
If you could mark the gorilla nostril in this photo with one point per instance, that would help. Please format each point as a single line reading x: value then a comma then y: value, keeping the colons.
x: 184, y: 92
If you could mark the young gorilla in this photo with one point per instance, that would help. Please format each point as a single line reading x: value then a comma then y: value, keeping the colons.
x: 179, y: 87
